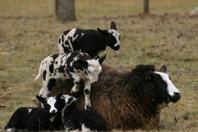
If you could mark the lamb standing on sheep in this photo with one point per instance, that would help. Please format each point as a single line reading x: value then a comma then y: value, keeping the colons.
x: 89, y: 40
x: 75, y: 65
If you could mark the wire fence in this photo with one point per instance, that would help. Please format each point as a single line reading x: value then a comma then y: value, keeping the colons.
x: 96, y: 8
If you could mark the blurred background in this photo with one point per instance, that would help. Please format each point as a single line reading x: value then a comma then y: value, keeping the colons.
x: 166, y: 34
x: 94, y: 8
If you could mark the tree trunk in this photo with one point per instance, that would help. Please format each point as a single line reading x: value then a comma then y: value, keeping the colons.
x: 65, y: 10
x: 146, y: 6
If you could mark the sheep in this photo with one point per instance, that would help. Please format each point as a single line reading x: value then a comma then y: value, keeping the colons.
x: 47, y: 118
x: 83, y: 120
x: 75, y: 65
x: 129, y: 100
x: 89, y: 40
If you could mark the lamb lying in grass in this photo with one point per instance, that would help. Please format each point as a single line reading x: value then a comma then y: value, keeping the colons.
x: 85, y: 120
x: 46, y: 118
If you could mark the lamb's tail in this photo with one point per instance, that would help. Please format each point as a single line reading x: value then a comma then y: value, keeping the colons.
x: 40, y: 71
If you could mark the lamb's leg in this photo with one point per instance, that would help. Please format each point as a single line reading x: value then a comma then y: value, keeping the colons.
x: 84, y: 128
x: 48, y: 84
x: 75, y: 88
x: 44, y: 92
x: 87, y: 91
x: 11, y: 130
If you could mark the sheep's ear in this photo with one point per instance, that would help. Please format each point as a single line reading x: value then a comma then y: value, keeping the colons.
x: 113, y: 25
x: 164, y: 69
x: 101, y: 59
x: 41, y: 99
x: 103, y: 32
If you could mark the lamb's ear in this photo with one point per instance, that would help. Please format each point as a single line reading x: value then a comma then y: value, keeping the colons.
x: 103, y: 32
x: 81, y: 64
x: 164, y: 69
x: 41, y: 99
x: 113, y: 25
x: 101, y: 59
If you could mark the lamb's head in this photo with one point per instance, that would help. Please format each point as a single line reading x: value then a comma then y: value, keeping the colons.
x: 154, y: 88
x: 56, y: 103
x: 112, y: 35
x: 86, y: 67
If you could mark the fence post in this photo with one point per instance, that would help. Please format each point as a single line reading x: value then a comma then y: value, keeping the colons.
x: 146, y: 6
x: 65, y: 10
x: 51, y: 4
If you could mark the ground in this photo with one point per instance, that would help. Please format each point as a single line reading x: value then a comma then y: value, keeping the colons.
x: 158, y: 39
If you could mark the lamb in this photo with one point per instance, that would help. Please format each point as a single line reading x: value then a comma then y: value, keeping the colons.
x: 132, y: 99
x: 71, y: 118
x: 83, y: 120
x: 76, y: 65
x: 34, y: 119
x: 89, y: 40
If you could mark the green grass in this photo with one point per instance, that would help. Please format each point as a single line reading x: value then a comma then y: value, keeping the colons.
x: 164, y: 39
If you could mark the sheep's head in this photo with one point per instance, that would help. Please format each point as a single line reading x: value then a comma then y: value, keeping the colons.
x: 56, y: 103
x: 154, y: 88
x: 113, y: 36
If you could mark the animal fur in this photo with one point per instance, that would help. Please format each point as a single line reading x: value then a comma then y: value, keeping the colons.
x: 124, y: 99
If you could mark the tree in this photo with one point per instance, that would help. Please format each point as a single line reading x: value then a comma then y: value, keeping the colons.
x: 65, y: 10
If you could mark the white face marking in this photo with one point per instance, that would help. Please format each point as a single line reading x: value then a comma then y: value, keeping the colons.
x: 116, y: 35
x: 94, y: 69
x: 170, y: 86
x: 29, y: 110
x: 74, y: 60
x: 51, y: 101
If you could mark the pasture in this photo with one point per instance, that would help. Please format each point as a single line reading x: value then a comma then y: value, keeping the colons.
x: 28, y: 33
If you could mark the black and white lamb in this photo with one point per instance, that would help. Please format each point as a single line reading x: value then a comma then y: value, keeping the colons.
x: 76, y: 65
x: 89, y: 40
x: 46, y: 118
x: 83, y: 120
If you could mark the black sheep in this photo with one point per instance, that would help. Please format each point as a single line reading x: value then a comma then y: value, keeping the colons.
x: 132, y: 99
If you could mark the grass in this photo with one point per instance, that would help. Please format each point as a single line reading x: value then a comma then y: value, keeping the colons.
x: 158, y: 39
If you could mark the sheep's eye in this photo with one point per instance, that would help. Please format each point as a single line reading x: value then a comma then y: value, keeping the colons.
x: 119, y: 37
